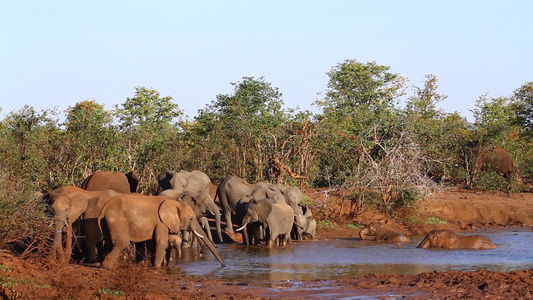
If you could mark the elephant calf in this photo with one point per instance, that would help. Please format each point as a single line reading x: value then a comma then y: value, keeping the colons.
x: 445, y: 239
x: 383, y: 233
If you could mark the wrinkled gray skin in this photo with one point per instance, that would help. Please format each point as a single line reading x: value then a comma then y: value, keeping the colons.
x: 196, y: 182
x: 445, y: 239
x: 293, y: 197
x: 276, y: 217
x: 202, y: 204
x: 69, y: 203
x: 229, y: 192
x: 383, y: 233
x: 265, y: 192
x: 137, y: 218
x: 307, y: 230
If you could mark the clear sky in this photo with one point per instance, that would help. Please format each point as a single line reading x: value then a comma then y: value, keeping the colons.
x: 57, y: 53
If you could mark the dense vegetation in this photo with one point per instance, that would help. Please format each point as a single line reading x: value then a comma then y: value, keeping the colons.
x: 387, y: 145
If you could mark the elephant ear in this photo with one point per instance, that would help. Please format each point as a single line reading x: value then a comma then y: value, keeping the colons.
x: 264, y: 208
x: 169, y: 215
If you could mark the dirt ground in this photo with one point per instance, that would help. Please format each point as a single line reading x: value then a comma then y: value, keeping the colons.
x: 36, y: 278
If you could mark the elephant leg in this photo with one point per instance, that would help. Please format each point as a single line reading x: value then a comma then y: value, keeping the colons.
x: 68, y: 245
x: 58, y: 252
x: 111, y: 258
x: 92, y: 234
x: 229, y: 224
x: 160, y: 251
x: 273, y: 240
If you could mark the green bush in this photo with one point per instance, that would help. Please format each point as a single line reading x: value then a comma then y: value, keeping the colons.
x: 22, y: 215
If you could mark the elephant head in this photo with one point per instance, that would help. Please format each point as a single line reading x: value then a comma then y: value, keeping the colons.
x: 257, y: 211
x: 201, y: 203
x: 383, y: 233
x: 370, y: 229
x: 179, y: 216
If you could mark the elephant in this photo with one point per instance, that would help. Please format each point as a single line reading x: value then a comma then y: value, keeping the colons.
x: 497, y: 160
x: 383, y: 233
x: 195, y: 181
x: 173, y: 251
x: 445, y: 239
x: 137, y: 218
x: 116, y: 181
x: 69, y: 203
x: 293, y: 197
x: 305, y: 225
x: 201, y: 203
x: 276, y: 217
x: 230, y: 190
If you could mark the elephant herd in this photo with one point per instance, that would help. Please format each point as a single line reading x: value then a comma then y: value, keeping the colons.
x: 113, y: 216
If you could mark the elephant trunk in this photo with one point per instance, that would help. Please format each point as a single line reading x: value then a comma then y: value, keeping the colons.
x: 197, y: 229
x: 214, y: 209
x: 424, y: 243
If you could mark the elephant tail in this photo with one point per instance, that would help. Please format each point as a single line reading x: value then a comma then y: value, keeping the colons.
x: 101, y: 216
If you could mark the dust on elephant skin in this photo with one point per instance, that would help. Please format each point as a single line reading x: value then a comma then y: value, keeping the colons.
x: 446, y: 239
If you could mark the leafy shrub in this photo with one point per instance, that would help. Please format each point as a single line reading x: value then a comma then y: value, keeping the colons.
x: 22, y: 215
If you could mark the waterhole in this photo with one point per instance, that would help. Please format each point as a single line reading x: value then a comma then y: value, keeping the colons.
x: 349, y: 258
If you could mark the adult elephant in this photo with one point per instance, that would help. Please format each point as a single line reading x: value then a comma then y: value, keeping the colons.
x: 116, y: 181
x: 69, y: 203
x: 195, y: 181
x: 230, y: 190
x: 497, y: 160
x: 293, y: 197
x: 276, y: 217
x: 202, y: 204
x: 383, y: 233
x: 445, y: 239
x: 137, y: 218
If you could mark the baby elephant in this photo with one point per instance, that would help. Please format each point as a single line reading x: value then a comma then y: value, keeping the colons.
x: 383, y: 233
x: 445, y: 239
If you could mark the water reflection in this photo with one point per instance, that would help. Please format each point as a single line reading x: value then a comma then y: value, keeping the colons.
x: 347, y: 258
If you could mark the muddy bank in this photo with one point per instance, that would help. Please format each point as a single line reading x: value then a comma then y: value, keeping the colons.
x: 36, y: 278
x: 32, y: 280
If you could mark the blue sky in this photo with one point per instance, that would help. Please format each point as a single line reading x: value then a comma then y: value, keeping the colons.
x: 57, y: 53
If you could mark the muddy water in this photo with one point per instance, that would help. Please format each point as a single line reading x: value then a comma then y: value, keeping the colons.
x: 348, y: 258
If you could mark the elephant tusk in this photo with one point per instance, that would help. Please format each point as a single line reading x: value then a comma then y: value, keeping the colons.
x: 242, y: 227
x: 198, y: 235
